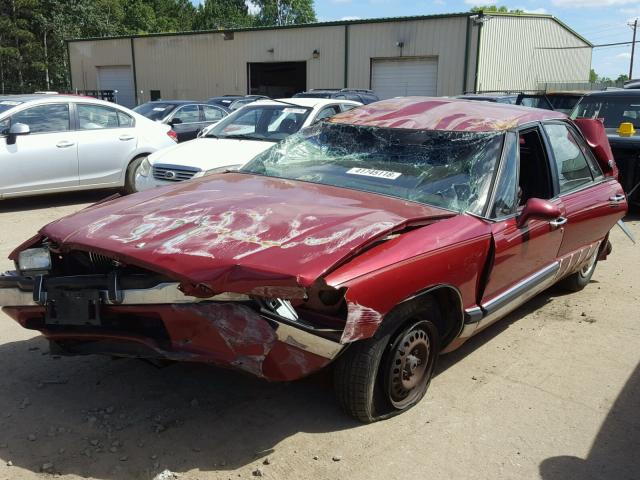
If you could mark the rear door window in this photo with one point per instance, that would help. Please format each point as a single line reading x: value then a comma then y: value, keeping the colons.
x: 188, y: 114
x: 570, y: 161
x: 44, y: 118
x: 327, y: 112
x: 97, y: 117
x: 125, y: 120
x: 212, y: 114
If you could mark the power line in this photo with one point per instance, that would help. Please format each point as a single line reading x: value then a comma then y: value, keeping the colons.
x: 588, y: 46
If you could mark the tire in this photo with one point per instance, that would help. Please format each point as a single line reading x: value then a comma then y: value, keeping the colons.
x: 375, y: 378
x: 130, y: 176
x: 577, y: 281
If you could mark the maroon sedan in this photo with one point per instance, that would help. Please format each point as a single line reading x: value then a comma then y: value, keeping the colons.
x: 375, y: 241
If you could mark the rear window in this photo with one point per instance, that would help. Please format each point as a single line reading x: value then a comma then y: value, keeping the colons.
x: 563, y: 103
x: 613, y: 110
x: 154, y: 111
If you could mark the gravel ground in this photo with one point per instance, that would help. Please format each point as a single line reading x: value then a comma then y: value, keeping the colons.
x: 550, y: 392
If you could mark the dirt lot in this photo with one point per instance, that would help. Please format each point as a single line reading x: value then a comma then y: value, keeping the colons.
x: 551, y: 392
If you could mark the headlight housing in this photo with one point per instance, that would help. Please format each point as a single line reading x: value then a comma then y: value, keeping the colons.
x: 34, y: 261
x: 222, y: 169
x: 145, y: 167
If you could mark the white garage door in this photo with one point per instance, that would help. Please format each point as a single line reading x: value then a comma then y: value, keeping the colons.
x: 401, y: 77
x: 120, y: 79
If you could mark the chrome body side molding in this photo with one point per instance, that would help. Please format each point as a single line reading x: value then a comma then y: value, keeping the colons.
x: 501, y: 305
x: 520, y: 293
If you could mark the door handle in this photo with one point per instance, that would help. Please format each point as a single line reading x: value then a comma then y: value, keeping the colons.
x: 558, y: 222
x: 124, y: 138
x: 65, y: 144
x: 617, y: 198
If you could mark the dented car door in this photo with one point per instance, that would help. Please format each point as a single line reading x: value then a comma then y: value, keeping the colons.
x: 524, y: 252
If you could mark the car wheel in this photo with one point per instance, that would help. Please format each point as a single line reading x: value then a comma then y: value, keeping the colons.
x: 385, y: 375
x: 577, y: 281
x: 130, y: 177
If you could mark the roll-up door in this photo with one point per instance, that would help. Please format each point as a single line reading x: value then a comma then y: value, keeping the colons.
x: 401, y: 77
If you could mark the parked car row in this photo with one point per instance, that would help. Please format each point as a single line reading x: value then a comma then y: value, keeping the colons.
x: 236, y: 139
x: 374, y: 241
x: 189, y: 119
x: 186, y: 118
x: 559, y: 101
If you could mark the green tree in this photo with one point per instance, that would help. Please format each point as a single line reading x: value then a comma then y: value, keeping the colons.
x: 593, y: 76
x: 222, y: 14
x: 622, y: 78
x: 495, y: 9
x: 284, y: 12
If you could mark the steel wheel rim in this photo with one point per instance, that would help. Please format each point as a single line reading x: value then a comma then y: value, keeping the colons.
x: 588, y: 267
x: 409, y: 368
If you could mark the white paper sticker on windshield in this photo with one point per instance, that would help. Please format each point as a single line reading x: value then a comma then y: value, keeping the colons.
x: 374, y: 173
x: 159, y: 109
x: 295, y: 110
x: 9, y: 102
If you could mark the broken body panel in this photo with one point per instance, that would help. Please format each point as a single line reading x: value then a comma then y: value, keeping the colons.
x: 277, y: 276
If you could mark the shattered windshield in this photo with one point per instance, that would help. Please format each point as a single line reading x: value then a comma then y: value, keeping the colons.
x: 452, y: 170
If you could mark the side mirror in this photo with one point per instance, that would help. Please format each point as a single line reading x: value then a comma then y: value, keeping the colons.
x: 540, y: 209
x: 16, y: 130
x: 175, y: 121
x: 596, y: 137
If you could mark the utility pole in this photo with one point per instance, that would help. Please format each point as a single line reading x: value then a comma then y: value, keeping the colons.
x: 633, y: 47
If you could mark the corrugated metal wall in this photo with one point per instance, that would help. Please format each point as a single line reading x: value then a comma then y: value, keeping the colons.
x: 512, y: 57
x: 86, y: 56
x: 198, y: 66
x: 204, y: 65
x: 443, y: 38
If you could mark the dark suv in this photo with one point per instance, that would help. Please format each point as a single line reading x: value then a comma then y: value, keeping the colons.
x: 620, y: 111
x: 363, y: 96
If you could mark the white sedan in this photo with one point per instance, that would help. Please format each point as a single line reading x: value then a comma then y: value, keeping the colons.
x: 236, y: 139
x: 54, y: 143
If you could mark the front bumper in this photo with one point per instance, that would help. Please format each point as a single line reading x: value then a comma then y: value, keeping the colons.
x: 159, y: 321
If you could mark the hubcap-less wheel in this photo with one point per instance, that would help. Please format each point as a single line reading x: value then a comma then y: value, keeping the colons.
x: 408, y: 370
x: 589, y: 266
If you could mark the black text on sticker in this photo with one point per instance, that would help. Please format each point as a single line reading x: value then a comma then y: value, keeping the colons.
x: 374, y: 173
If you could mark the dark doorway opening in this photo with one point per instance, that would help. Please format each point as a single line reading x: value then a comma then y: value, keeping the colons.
x: 277, y: 79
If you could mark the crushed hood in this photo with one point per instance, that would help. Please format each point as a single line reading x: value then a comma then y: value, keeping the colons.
x: 239, y: 232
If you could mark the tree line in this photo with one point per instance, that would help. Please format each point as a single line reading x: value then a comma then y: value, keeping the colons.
x: 33, y: 53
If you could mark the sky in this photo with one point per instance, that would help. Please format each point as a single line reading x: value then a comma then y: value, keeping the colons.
x: 600, y: 21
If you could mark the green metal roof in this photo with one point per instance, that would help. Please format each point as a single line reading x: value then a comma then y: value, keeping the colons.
x: 332, y: 24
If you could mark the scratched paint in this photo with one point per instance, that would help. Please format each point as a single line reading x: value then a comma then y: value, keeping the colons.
x: 217, y: 229
x: 246, y: 334
x: 362, y: 322
x: 424, y: 113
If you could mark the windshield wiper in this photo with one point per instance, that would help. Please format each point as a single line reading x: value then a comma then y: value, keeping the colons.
x: 288, y: 103
x: 241, y: 136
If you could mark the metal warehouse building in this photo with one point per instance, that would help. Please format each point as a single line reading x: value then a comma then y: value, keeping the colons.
x: 427, y: 55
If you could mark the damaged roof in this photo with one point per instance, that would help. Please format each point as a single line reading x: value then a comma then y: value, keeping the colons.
x: 449, y: 114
